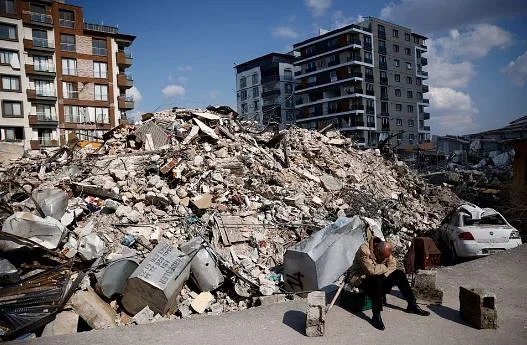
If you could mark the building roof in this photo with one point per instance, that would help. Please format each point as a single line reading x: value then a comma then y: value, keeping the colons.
x: 519, y: 124
x: 288, y: 58
x: 330, y: 33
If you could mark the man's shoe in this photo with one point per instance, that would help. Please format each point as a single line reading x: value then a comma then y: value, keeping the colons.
x: 416, y: 309
x: 376, y: 322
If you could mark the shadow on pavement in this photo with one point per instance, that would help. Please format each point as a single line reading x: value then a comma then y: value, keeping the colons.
x: 296, y: 320
x: 448, y: 313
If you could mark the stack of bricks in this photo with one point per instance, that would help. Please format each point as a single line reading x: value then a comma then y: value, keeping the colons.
x: 478, y: 308
x: 315, y: 314
x: 425, y: 288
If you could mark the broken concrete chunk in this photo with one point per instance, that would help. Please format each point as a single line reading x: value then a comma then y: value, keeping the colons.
x: 193, y: 133
x: 66, y: 322
x: 202, y: 302
x: 203, y: 201
x: 204, y: 269
x: 206, y: 129
x: 478, y: 307
x: 52, y: 202
x: 8, y: 272
x: 330, y: 183
x: 47, y: 232
x: 425, y: 288
x: 118, y: 174
x: 316, y: 314
x: 92, y: 309
x: 145, y: 316
x: 157, y: 281
x: 91, y: 247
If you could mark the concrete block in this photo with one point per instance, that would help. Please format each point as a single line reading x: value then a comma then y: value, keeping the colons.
x: 478, y: 308
x: 66, y: 322
x: 425, y: 288
x: 93, y: 309
x: 316, y: 298
x: 157, y: 281
x: 315, y: 314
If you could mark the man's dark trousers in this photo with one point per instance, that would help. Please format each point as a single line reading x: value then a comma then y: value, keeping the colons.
x: 377, y: 286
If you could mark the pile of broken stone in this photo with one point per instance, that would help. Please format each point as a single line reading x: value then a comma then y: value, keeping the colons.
x: 190, y: 211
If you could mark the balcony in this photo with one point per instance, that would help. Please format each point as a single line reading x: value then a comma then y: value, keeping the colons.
x: 107, y: 29
x: 125, y: 80
x: 385, y: 127
x: 84, y: 120
x: 272, y: 92
x: 384, y: 81
x: 355, y: 75
x: 71, y: 94
x: 334, y: 63
x: 381, y: 35
x: 425, y: 128
x: 357, y: 123
x: 370, y: 124
x: 43, y: 143
x: 68, y: 47
x: 370, y: 92
x: 124, y: 58
x: 66, y: 23
x: 425, y: 101
x: 368, y: 60
x: 370, y: 110
x: 37, y: 19
x: 382, y: 50
x: 424, y: 61
x: 425, y: 116
x: 41, y: 70
x: 426, y: 88
x: 126, y: 103
x: 367, y: 46
x: 369, y: 78
x: 351, y: 90
x: 384, y: 97
x: 40, y: 44
x: 383, y: 65
x: 311, y: 69
x: 354, y: 58
x: 43, y: 119
x: 356, y: 106
x: 40, y: 94
x: 422, y: 74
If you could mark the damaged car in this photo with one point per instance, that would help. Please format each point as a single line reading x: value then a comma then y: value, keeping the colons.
x: 470, y: 231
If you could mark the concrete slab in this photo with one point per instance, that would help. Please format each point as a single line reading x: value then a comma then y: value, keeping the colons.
x: 284, y: 323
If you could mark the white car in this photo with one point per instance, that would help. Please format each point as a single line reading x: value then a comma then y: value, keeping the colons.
x: 471, y: 231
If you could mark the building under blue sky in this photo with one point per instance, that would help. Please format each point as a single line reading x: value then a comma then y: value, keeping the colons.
x: 185, y: 51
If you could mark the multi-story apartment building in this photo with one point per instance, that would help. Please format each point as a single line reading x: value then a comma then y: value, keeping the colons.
x: 60, y: 75
x: 366, y: 80
x: 264, y: 88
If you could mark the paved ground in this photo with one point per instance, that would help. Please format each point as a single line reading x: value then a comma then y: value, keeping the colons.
x: 504, y: 274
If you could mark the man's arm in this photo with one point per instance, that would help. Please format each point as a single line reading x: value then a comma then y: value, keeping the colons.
x: 369, y: 265
x: 391, y: 265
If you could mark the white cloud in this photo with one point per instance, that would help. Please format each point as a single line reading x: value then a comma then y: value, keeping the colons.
x: 171, y: 91
x: 475, y: 42
x: 431, y: 15
x: 135, y: 93
x: 340, y: 20
x: 284, y: 32
x: 517, y: 70
x: 186, y: 68
x: 318, y: 7
x: 452, y: 112
x: 446, y: 74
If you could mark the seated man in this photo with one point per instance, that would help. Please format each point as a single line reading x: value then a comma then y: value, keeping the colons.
x: 374, y: 271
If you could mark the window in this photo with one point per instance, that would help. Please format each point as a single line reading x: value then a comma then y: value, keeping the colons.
x: 397, y: 77
x: 409, y: 65
x: 416, y: 39
x: 407, y: 51
x: 44, y: 88
x: 9, y: 57
x: 255, y: 92
x: 312, y: 80
x: 98, y: 46
x: 101, y: 92
x: 70, y: 90
x: 66, y: 18
x: 243, y: 82
x: 67, y: 43
x: 69, y: 66
x: 288, y: 89
x: 12, y: 109
x: 7, y: 6
x: 332, y: 43
x: 409, y: 94
x: 396, y: 62
x: 369, y: 71
x: 288, y: 74
x: 40, y: 38
x: 384, y: 107
x: 72, y: 114
x: 407, y: 36
x: 384, y: 92
x: 411, y: 136
x: 398, y: 122
x: 418, y: 81
x: 101, y: 115
x: 382, y: 44
x: 381, y: 28
x: 243, y: 95
x: 367, y: 57
x: 399, y: 107
x: 383, y: 75
x: 255, y: 79
x: 42, y: 63
x: 369, y: 89
x: 367, y: 39
x: 411, y: 123
x: 382, y: 60
x: 395, y: 33
x: 398, y: 92
x: 100, y: 70
x: 310, y: 50
x: 10, y: 83
x: 46, y: 112
x: 419, y: 95
x: 8, y: 32
x: 395, y: 48
x: 244, y: 108
x: 311, y: 66
x: 410, y: 109
x: 256, y: 105
x: 408, y: 80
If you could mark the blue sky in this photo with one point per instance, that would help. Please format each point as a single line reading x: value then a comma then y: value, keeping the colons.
x: 185, y: 50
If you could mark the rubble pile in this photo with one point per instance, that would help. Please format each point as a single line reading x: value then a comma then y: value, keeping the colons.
x: 190, y: 212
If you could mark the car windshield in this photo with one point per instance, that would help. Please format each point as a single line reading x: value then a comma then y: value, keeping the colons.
x: 494, y: 219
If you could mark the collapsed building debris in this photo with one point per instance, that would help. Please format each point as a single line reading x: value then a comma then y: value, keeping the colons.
x: 195, y: 193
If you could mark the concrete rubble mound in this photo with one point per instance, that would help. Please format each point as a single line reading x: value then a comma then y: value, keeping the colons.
x: 193, y: 193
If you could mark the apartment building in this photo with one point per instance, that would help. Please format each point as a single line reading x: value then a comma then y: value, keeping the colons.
x: 366, y: 80
x: 264, y: 88
x: 61, y: 76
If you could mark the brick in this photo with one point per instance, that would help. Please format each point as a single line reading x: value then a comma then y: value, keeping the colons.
x: 425, y: 288
x: 478, y: 308
x: 316, y: 298
x: 315, y: 314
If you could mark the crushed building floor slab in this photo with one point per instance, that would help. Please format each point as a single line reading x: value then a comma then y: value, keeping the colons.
x: 503, y: 274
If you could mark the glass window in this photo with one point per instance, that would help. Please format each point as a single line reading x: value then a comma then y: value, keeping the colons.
x: 42, y: 63
x: 8, y: 32
x: 383, y: 75
x: 72, y: 114
x: 381, y: 28
x: 397, y: 77
x: 408, y: 80
x: 44, y: 88
x: 101, y: 92
x: 255, y: 79
x: 409, y: 65
x: 244, y: 95
x: 10, y: 83
x: 407, y: 36
x: 418, y: 81
x: 411, y: 136
x: 243, y: 82
x: 396, y: 62
x: 7, y: 57
x: 70, y: 90
x: 67, y: 43
x: 399, y: 107
x: 255, y: 92
x: 398, y: 92
x: 98, y: 47
x: 7, y: 6
x: 100, y: 70
x: 416, y: 39
x: 409, y: 94
x: 395, y: 33
x: 12, y: 109
x: 45, y: 111
x: 407, y: 51
x: 69, y: 66
x: 288, y: 89
x: 384, y: 107
x: 382, y: 44
x: 288, y: 74
x: 411, y: 110
x: 395, y: 48
x: 244, y: 108
x: 256, y: 105
x: 101, y: 115
x: 399, y: 122
x: 66, y: 18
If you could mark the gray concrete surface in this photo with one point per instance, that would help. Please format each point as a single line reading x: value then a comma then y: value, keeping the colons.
x: 504, y: 274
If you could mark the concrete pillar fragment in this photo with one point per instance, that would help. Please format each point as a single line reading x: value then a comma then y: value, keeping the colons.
x: 316, y: 314
x: 478, y: 308
x: 425, y: 289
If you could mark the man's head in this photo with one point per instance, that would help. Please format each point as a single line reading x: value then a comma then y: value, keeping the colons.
x: 382, y: 250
